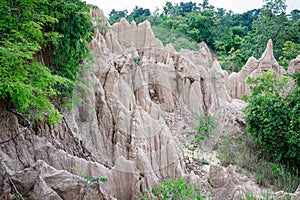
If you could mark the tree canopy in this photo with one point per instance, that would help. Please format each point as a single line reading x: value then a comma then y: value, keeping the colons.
x: 43, y: 43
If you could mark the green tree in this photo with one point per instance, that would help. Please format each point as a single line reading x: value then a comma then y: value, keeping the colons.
x: 229, y: 36
x: 290, y: 51
x: 205, y: 5
x: 272, y: 117
x: 295, y: 32
x: 42, y: 45
x: 295, y: 15
x: 276, y: 7
x: 246, y: 19
x: 187, y: 7
x: 272, y: 24
x: 116, y: 15
x: 169, y: 9
x: 178, y: 40
x: 139, y: 14
x: 201, y: 26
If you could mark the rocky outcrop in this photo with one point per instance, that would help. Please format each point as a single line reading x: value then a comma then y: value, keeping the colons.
x: 284, y: 195
x: 142, y: 96
x: 226, y: 183
x: 294, y: 65
x: 236, y: 82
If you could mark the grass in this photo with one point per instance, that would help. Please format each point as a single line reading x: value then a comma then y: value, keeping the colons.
x: 243, y: 151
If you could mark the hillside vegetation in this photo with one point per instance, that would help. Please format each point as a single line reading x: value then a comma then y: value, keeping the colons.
x: 43, y: 43
x: 233, y: 37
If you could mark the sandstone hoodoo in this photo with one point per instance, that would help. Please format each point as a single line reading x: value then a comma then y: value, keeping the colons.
x: 236, y: 82
x: 143, y: 98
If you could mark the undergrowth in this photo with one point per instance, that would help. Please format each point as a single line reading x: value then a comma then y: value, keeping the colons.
x: 244, y: 152
x: 173, y: 189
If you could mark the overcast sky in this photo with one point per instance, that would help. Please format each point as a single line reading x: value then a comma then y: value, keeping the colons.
x: 237, y: 6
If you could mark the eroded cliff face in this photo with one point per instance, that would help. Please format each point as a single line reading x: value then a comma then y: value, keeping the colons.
x: 236, y: 82
x: 142, y: 97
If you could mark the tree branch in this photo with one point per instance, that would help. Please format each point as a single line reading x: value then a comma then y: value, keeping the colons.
x: 12, y: 138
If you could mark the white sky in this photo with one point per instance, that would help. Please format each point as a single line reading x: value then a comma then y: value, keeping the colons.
x: 237, y: 6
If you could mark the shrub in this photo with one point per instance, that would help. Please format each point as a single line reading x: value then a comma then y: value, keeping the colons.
x: 244, y: 152
x: 176, y: 189
x: 273, y: 117
x: 206, y: 125
x: 88, y: 178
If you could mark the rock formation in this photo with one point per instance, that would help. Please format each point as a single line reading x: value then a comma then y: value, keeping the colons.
x: 284, y: 195
x: 294, y: 65
x: 236, y: 82
x: 141, y: 96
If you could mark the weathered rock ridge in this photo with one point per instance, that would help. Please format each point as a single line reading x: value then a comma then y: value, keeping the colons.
x: 142, y: 95
x: 236, y: 82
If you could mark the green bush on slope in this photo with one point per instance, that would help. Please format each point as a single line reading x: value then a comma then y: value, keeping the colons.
x: 273, y: 117
x: 176, y: 189
x: 43, y: 43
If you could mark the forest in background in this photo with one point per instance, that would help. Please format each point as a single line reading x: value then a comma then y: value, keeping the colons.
x: 233, y: 37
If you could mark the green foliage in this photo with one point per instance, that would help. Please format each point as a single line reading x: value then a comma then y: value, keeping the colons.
x: 202, y: 161
x: 176, y: 189
x: 244, y: 152
x: 178, y: 40
x: 116, y: 15
x: 290, y: 51
x: 249, y: 196
x: 91, y: 180
x: 137, y: 61
x: 70, y: 49
x: 139, y: 14
x: 272, y: 117
x: 233, y: 62
x: 273, y: 23
x: 206, y: 125
x: 295, y: 15
x: 275, y: 6
x: 42, y: 45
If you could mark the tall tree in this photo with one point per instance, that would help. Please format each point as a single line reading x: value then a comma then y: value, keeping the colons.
x: 205, y: 5
x: 295, y: 15
x: 187, y: 7
x: 272, y: 24
x: 116, y: 15
x: 139, y: 14
x: 276, y: 7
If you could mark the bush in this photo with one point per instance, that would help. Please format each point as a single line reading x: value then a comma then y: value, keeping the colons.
x: 273, y: 117
x: 176, y: 189
x: 205, y: 127
x: 244, y: 152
